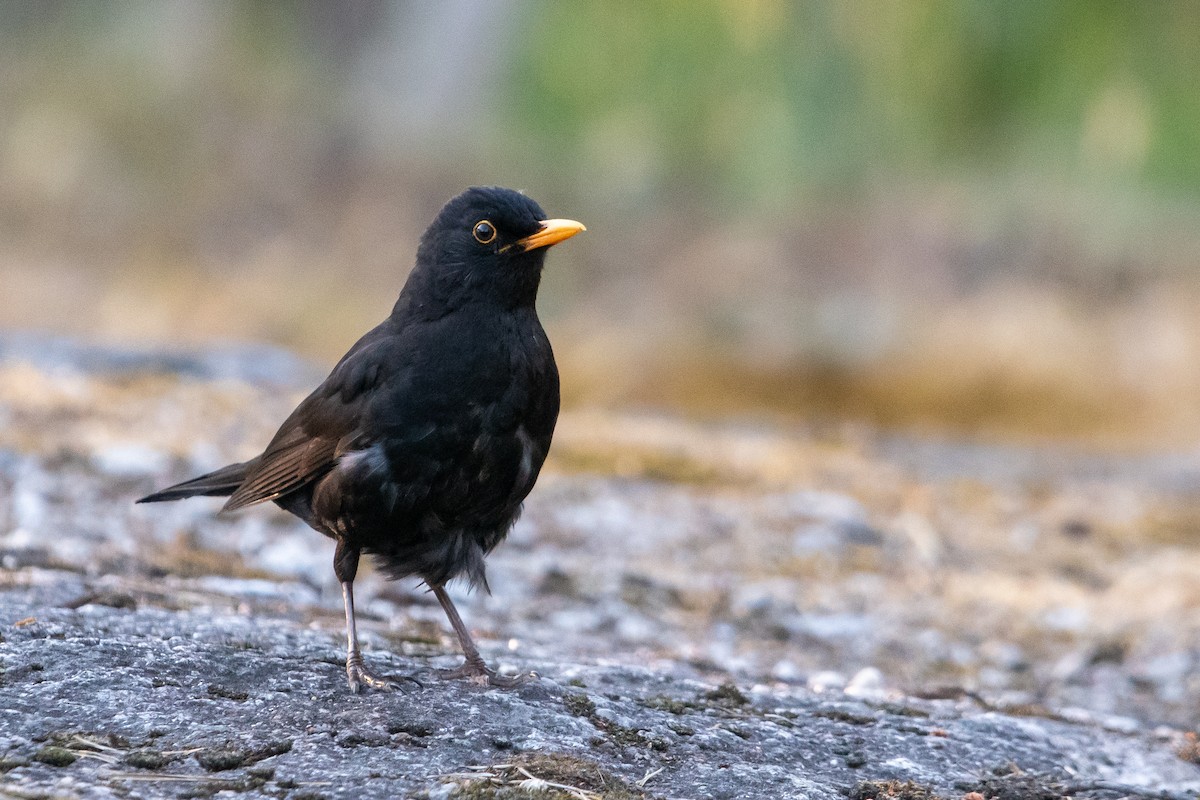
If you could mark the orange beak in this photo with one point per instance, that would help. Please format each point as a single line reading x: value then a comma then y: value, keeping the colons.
x: 552, y: 232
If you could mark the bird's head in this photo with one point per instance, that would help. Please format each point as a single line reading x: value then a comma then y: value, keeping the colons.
x: 487, y: 244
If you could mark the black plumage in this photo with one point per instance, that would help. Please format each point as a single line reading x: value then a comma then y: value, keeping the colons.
x: 422, y: 443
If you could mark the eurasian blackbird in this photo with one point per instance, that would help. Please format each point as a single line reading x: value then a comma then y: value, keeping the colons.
x: 420, y: 446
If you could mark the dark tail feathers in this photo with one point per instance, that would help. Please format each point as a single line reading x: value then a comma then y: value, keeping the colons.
x: 220, y: 483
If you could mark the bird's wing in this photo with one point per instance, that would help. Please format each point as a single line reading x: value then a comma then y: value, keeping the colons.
x: 325, y: 425
x: 293, y: 459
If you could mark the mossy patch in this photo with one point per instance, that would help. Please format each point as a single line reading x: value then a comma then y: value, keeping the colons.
x: 55, y: 756
x: 661, y: 702
x: 547, y: 776
x: 119, y: 600
x: 579, y: 704
x: 220, y: 759
x: 842, y: 715
x: 622, y: 735
x: 902, y: 710
x: 891, y: 790
x: 416, y: 728
x: 728, y: 695
x: 213, y: 786
x: 146, y: 759
x: 1009, y: 782
x: 229, y: 694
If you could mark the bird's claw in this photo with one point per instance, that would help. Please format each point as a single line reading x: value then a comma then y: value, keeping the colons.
x: 359, y: 676
x: 480, y: 673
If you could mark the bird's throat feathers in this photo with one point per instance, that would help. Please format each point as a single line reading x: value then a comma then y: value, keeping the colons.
x: 443, y: 281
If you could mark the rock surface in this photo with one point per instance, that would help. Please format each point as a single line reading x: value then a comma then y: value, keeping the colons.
x: 111, y: 698
x: 717, y: 611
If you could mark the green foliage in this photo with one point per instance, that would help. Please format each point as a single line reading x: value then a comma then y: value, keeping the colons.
x: 753, y: 99
x: 747, y: 106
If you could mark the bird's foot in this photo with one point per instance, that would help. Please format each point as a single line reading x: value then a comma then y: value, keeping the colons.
x: 359, y: 676
x: 480, y: 673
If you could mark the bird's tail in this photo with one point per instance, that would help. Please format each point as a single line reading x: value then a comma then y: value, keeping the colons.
x: 221, y: 483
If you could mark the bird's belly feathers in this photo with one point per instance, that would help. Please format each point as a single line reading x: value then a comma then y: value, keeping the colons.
x: 438, y: 525
x: 391, y: 498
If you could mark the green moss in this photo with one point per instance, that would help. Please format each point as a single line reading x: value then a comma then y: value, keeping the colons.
x: 727, y: 694
x: 219, y: 760
x: 579, y: 704
x: 418, y: 730
x: 663, y: 703
x: 629, y: 737
x: 118, y: 600
x: 229, y: 694
x: 841, y: 715
x: 225, y: 758
x: 212, y: 786
x: 55, y: 756
x: 901, y: 710
x: 146, y: 759
x: 582, y: 706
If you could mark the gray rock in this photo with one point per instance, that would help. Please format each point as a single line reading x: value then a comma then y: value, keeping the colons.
x: 153, y: 703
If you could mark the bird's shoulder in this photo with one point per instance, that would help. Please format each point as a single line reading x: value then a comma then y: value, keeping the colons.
x: 326, y: 424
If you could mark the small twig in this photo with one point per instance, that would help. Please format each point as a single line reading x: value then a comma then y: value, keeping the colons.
x: 86, y: 742
x: 535, y: 783
x: 649, y: 774
x: 103, y: 757
x: 503, y: 775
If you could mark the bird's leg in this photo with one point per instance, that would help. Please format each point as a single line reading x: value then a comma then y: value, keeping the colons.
x: 345, y: 566
x: 474, y: 667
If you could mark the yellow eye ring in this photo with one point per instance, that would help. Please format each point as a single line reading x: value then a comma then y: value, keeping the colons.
x: 484, y: 232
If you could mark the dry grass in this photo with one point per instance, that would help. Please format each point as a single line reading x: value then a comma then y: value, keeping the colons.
x: 1019, y: 364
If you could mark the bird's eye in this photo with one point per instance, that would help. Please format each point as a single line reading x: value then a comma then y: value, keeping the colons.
x: 485, y: 232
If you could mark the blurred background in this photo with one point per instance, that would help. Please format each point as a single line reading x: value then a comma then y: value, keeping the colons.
x: 953, y: 215
x: 881, y: 354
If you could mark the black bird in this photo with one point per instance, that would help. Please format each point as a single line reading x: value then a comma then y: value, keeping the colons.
x: 420, y: 446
